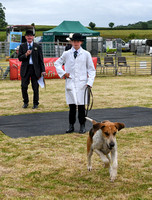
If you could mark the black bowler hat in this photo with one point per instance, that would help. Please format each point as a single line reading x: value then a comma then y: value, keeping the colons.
x: 29, y: 32
x: 77, y: 37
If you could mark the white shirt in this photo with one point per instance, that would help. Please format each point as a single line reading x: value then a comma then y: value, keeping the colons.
x: 30, y: 60
x: 73, y: 50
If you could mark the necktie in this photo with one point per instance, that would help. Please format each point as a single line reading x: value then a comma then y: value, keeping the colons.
x: 75, y: 54
x: 30, y: 47
x: 30, y: 57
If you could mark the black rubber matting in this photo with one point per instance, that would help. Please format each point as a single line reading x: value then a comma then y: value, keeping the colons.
x: 52, y: 123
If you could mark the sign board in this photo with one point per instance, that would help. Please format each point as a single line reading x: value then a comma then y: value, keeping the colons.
x: 143, y: 64
x: 15, y: 40
x: 50, y: 69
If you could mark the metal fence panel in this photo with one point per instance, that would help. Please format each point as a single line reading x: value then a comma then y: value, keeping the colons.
x: 53, y: 49
x: 4, y: 49
x: 50, y: 49
x: 136, y: 65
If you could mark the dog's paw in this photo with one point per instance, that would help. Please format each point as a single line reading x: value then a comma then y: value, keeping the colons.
x: 113, y: 173
x: 89, y: 168
x: 112, y: 178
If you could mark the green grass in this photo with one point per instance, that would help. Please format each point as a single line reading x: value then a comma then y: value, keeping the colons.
x: 126, y: 34
x: 2, y: 35
x: 123, y: 34
x: 55, y: 167
x: 107, y: 92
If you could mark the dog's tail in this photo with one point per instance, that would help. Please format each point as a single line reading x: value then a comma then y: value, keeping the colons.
x: 91, y: 120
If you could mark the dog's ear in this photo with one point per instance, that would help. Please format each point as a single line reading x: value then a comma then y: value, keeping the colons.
x: 119, y: 126
x: 94, y: 122
x: 91, y: 133
x: 98, y: 126
x: 105, y: 121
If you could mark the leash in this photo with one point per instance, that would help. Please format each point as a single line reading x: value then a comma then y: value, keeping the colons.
x: 88, y: 105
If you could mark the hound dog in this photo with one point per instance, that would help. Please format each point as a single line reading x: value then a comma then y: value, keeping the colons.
x: 102, y: 140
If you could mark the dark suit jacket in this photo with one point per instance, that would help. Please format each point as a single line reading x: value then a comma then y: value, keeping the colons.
x: 68, y: 46
x: 37, y: 58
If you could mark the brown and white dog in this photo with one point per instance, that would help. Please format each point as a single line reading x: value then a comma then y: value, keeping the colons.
x: 102, y: 140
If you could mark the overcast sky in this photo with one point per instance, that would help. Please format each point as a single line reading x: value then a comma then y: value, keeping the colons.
x: 53, y: 12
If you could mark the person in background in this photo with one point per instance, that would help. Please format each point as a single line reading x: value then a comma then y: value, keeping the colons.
x: 79, y: 73
x: 32, y: 67
x: 68, y: 46
x: 14, y: 55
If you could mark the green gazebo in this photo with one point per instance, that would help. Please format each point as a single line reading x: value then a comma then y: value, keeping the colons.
x: 62, y: 31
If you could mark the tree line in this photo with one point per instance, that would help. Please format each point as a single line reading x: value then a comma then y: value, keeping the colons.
x: 138, y: 25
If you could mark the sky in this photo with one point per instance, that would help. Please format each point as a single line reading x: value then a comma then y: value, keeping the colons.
x: 100, y: 12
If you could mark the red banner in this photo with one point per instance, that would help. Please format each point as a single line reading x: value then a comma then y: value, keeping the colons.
x: 51, y: 73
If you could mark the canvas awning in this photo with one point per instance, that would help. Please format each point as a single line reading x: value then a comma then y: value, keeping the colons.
x: 67, y: 27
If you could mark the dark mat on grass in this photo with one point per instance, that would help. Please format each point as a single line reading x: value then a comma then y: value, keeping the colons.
x: 52, y: 123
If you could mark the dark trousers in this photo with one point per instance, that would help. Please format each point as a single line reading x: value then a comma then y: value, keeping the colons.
x: 24, y: 85
x: 72, y: 114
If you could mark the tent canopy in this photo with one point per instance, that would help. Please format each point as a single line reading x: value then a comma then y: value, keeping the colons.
x: 67, y: 27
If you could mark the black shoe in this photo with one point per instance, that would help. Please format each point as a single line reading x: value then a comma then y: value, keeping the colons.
x: 25, y: 105
x: 71, y: 129
x: 35, y: 106
x: 82, y: 128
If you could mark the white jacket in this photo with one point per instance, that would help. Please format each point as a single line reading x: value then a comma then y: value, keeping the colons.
x: 82, y: 73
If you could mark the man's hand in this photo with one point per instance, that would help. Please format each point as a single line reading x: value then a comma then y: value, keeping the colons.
x: 66, y: 75
x: 43, y: 73
x: 28, y: 52
x: 89, y: 86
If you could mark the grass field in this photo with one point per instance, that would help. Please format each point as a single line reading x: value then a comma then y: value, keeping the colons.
x: 55, y: 167
x: 126, y: 34
x: 107, y: 91
x: 123, y: 34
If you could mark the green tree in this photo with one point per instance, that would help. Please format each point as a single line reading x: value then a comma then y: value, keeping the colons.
x: 144, y: 25
x: 92, y: 25
x: 132, y: 36
x: 3, y: 23
x: 111, y: 24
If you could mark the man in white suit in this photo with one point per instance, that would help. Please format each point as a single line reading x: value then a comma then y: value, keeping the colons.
x: 79, y: 73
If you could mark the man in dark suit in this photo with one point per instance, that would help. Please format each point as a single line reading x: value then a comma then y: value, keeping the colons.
x: 69, y: 45
x: 30, y: 54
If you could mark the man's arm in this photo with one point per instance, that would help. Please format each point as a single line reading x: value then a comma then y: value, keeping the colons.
x: 58, y: 65
x: 21, y: 55
x: 41, y: 61
x: 90, y: 70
